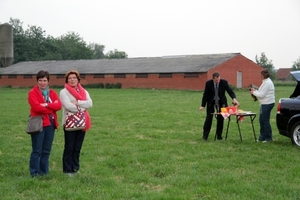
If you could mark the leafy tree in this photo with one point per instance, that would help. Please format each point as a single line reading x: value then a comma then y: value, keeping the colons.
x: 32, y: 44
x: 266, y: 64
x: 98, y: 50
x: 17, y: 26
x: 29, y: 44
x: 116, y: 54
x: 19, y: 40
x: 53, y: 49
x: 35, y: 40
x: 296, y: 65
x: 73, y: 47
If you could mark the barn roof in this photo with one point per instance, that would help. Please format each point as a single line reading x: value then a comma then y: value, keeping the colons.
x: 283, y: 73
x: 166, y: 64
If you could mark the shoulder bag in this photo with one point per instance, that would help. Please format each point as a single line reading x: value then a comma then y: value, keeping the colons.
x: 34, y: 124
x: 75, y: 121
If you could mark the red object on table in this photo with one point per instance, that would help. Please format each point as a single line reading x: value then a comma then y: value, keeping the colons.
x: 231, y: 109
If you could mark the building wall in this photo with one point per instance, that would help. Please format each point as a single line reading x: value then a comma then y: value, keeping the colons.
x: 228, y: 70
x: 250, y: 71
x: 177, y: 81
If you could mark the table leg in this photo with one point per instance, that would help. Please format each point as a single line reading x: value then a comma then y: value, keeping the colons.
x: 237, y: 121
x: 228, y: 123
x: 252, y: 117
x: 216, y: 116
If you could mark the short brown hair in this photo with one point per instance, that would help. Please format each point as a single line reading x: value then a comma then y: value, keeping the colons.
x: 72, y: 72
x: 42, y: 74
x: 265, y: 73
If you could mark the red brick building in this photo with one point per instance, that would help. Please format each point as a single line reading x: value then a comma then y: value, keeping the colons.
x: 188, y: 72
x: 284, y: 74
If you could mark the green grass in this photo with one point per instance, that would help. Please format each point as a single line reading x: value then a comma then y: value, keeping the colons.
x: 147, y: 144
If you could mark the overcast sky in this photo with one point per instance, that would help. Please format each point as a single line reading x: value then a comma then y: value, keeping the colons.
x: 150, y: 28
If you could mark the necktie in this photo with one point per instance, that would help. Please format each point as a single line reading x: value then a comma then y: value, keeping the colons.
x: 217, y: 97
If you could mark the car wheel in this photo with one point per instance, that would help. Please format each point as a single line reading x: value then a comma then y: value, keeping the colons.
x: 295, y: 134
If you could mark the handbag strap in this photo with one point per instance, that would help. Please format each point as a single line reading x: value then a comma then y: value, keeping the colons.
x: 41, y: 116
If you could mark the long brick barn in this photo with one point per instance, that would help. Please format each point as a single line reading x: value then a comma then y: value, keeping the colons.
x: 186, y: 72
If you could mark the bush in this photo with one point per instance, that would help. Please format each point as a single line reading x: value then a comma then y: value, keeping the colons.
x: 118, y: 85
x: 232, y: 87
x: 285, y: 83
x: 97, y: 85
x: 113, y: 85
x: 106, y: 86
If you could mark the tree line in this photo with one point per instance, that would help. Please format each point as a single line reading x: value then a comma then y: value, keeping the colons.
x: 265, y: 63
x: 32, y: 44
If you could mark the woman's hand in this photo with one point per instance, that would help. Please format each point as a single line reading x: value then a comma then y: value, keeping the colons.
x: 44, y: 104
x: 74, y: 102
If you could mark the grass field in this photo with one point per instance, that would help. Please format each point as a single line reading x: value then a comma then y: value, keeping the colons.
x: 147, y: 144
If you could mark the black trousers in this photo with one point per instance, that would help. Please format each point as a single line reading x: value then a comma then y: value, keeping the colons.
x: 73, y: 144
x: 208, y: 122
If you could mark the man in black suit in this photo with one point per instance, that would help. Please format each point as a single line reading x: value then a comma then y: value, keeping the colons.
x: 214, y: 97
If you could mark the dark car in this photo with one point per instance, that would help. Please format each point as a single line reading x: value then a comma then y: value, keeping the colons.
x: 288, y: 113
x: 288, y: 118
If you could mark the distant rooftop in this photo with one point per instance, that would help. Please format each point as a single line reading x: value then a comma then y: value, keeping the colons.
x: 165, y: 64
x: 283, y: 73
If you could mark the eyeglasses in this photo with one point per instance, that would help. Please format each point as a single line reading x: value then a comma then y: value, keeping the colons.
x: 74, y: 78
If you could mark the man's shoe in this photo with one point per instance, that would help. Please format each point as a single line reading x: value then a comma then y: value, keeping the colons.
x: 204, y: 140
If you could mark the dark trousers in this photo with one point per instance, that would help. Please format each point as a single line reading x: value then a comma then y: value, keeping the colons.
x: 208, y: 122
x: 264, y: 121
x: 41, y: 148
x: 73, y: 144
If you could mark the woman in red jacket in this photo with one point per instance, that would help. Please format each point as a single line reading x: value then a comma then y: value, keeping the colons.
x: 43, y: 102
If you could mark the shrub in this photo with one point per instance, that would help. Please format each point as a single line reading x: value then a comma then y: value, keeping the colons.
x: 106, y: 85
x: 97, y: 85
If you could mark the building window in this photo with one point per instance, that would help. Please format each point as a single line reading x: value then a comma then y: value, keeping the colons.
x: 82, y: 76
x: 27, y: 76
x: 98, y: 75
x: 141, y: 76
x: 0, y: 76
x: 58, y: 76
x: 190, y: 75
x: 119, y: 75
x: 165, y: 75
x: 12, y: 76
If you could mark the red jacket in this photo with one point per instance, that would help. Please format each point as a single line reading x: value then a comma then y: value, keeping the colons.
x: 35, y: 97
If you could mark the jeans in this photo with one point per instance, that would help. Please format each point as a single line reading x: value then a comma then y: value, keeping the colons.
x: 264, y: 121
x: 41, y: 147
x: 73, y: 144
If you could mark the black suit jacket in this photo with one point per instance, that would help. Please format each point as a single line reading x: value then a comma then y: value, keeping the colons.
x: 209, y: 93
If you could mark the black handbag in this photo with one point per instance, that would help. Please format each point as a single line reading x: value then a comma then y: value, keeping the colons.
x: 34, y: 124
